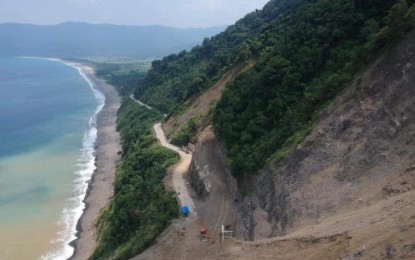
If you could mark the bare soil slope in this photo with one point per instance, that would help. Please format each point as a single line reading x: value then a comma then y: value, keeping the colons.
x: 356, y: 169
x: 200, y: 106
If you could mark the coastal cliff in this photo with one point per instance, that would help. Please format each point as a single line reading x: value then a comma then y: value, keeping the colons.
x: 299, y: 117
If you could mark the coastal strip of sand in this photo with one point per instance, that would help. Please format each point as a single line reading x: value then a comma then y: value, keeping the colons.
x: 100, y: 188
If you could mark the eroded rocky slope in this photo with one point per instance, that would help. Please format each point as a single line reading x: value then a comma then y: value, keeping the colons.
x: 354, y: 174
x: 360, y: 152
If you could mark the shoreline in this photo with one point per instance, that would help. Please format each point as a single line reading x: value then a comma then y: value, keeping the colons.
x: 91, y: 188
x: 100, y: 186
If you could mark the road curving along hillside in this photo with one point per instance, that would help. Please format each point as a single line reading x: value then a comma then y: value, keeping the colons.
x: 179, y: 170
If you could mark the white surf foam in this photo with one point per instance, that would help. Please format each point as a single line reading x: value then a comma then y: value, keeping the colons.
x: 86, y: 167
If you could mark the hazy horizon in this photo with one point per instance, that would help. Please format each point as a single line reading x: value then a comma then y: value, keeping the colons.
x: 148, y: 25
x: 171, y: 13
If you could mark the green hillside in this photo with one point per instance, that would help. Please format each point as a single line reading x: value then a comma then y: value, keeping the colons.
x: 177, y: 77
x: 141, y: 206
x: 305, y: 53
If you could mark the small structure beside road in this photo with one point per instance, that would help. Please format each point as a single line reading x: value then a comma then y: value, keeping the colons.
x: 185, y: 211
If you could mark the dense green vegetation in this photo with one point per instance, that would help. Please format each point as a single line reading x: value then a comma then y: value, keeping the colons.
x: 124, y: 76
x: 306, y: 57
x: 305, y: 53
x: 141, y: 206
x: 182, y: 137
x: 177, y: 77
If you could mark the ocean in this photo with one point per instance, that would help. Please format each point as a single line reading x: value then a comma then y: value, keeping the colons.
x: 47, y: 134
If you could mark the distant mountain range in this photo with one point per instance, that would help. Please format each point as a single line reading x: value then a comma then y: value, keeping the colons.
x: 81, y: 40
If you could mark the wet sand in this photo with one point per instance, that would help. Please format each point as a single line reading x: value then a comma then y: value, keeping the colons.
x: 100, y: 188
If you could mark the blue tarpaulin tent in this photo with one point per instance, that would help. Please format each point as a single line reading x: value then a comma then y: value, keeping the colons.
x: 185, y: 211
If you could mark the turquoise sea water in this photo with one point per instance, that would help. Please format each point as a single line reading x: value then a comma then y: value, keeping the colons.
x: 46, y: 152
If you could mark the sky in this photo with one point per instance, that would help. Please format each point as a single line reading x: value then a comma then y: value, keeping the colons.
x: 175, y: 13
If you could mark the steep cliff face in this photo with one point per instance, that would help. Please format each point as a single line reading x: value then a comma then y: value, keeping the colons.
x: 218, y: 198
x: 216, y: 190
x: 360, y: 152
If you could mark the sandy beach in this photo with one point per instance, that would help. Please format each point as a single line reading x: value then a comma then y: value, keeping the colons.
x: 100, y: 188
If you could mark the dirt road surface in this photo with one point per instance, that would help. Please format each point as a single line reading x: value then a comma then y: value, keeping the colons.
x: 179, y: 170
x: 139, y: 102
x: 179, y: 182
